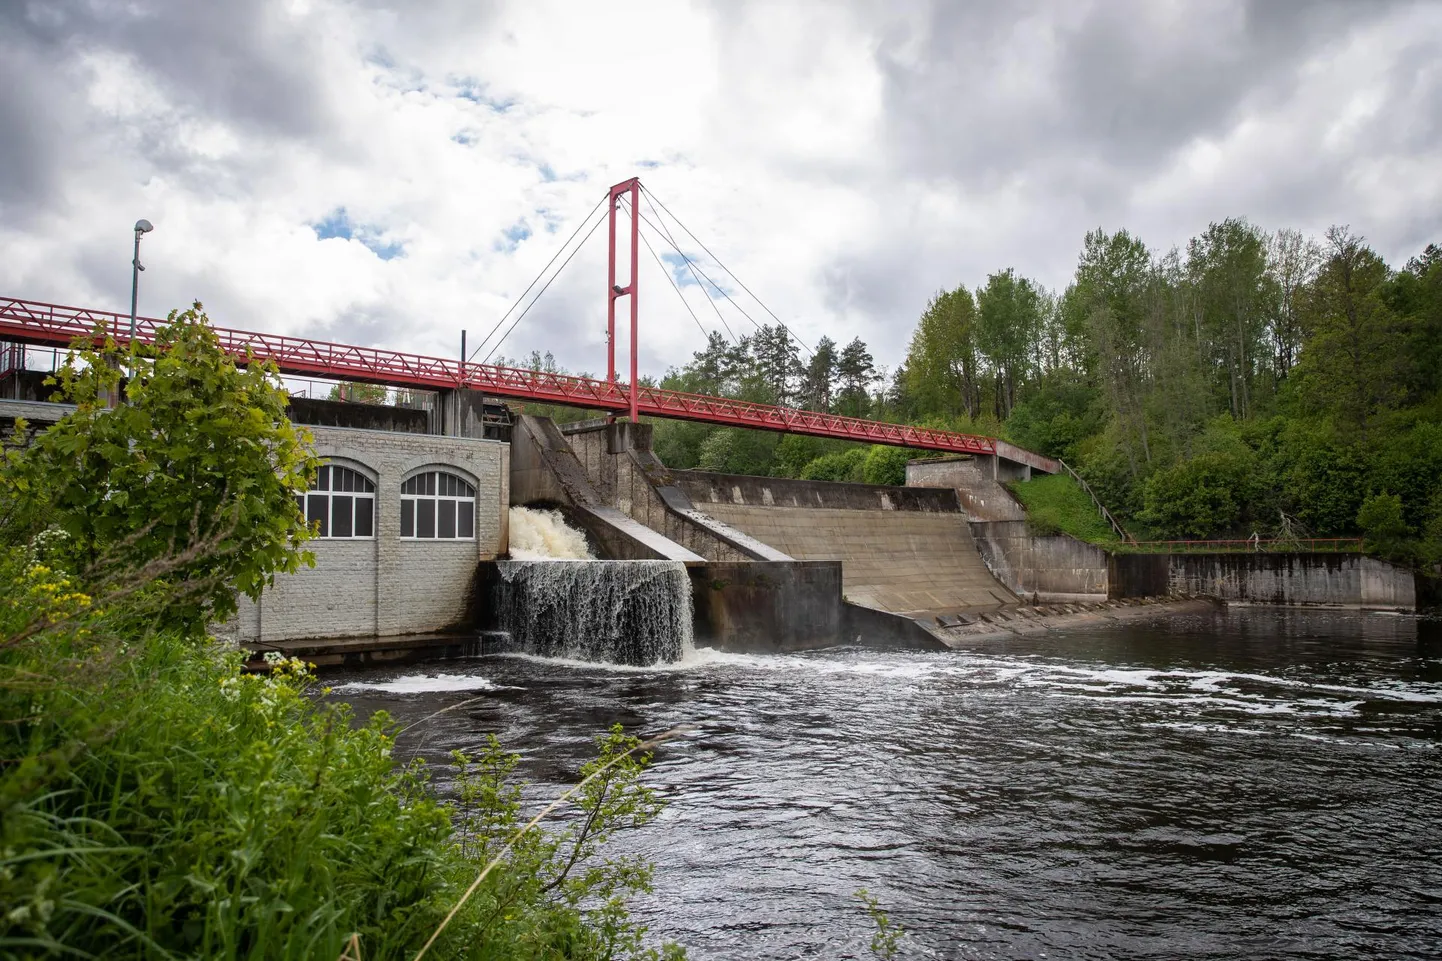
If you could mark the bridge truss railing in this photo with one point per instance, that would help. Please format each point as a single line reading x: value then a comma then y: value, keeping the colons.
x: 34, y: 322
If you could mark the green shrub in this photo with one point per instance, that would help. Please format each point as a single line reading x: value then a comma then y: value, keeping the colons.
x: 885, y: 465
x: 848, y: 465
x: 1203, y: 497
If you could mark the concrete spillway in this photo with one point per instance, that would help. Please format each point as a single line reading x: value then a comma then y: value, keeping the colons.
x: 904, y: 551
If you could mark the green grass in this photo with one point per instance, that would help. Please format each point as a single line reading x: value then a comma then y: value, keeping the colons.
x: 1056, y: 504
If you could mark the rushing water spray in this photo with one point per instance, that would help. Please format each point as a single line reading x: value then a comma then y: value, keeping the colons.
x: 538, y: 535
x: 556, y: 600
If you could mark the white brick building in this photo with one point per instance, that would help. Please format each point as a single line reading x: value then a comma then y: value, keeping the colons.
x: 374, y: 574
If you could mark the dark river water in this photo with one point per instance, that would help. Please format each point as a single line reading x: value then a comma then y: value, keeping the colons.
x: 1248, y: 784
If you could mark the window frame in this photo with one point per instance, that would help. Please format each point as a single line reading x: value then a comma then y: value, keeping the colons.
x: 445, y: 498
x: 356, y: 485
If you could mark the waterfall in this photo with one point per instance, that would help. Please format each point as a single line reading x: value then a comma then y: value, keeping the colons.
x: 624, y: 612
x: 555, y: 599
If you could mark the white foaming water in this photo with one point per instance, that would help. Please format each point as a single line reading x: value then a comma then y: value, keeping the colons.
x: 542, y: 535
x: 425, y: 683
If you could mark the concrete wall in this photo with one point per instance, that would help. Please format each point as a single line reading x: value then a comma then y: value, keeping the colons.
x: 341, y: 413
x: 767, y: 606
x: 618, y: 460
x: 981, y: 495
x: 709, y: 490
x: 1321, y: 579
x: 545, y: 470
x: 385, y: 585
x: 1046, y: 569
x: 903, y: 550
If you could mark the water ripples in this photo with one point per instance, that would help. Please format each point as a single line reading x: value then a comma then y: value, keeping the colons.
x: 1253, y: 784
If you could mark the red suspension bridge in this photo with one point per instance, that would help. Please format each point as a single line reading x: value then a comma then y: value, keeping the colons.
x: 55, y: 325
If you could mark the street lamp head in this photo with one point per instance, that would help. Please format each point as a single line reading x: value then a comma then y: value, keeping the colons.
x: 143, y: 227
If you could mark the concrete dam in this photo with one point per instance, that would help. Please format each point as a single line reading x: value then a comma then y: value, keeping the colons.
x: 414, y: 555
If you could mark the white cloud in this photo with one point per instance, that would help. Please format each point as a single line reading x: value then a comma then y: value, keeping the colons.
x: 844, y: 161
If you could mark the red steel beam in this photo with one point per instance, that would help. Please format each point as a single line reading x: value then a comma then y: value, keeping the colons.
x: 55, y: 325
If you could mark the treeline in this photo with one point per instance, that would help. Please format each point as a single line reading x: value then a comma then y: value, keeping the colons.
x: 1248, y: 383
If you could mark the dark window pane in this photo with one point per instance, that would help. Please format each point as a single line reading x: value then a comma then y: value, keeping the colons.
x: 466, y: 521
x: 342, y: 509
x: 318, y: 509
x: 322, y: 479
x: 367, y: 485
x: 445, y: 489
x: 364, y: 517
x: 430, y: 483
x: 467, y: 490
x: 446, y: 518
x: 344, y: 479
x: 425, y: 518
x: 300, y: 502
x: 408, y: 518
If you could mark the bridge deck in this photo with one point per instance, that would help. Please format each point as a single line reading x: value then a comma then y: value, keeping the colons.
x: 32, y: 322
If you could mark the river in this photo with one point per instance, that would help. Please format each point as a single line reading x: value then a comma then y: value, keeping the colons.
x: 1247, y: 784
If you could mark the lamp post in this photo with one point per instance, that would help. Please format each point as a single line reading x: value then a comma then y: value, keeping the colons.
x: 141, y: 227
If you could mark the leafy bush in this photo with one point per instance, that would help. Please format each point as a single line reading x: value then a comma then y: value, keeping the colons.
x: 885, y: 465
x: 1203, y: 497
x: 848, y: 465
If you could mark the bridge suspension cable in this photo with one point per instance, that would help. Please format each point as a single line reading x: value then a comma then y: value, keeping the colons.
x: 536, y: 281
x: 650, y: 196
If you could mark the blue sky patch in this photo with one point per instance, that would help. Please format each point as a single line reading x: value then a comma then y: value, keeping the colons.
x: 513, y: 235
x: 337, y: 225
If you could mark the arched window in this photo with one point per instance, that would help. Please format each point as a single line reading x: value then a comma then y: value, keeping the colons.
x: 343, y: 501
x: 438, y: 504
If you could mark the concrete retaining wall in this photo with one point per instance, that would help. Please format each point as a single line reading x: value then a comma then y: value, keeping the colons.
x: 708, y: 490
x: 981, y: 496
x: 1044, y: 569
x: 1320, y: 579
x: 618, y: 461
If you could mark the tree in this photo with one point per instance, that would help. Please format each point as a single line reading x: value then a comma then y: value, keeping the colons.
x: 885, y: 465
x: 1227, y: 270
x: 856, y: 371
x: 194, y: 478
x: 1352, y: 363
x: 1109, y: 294
x: 820, y: 377
x: 359, y: 393
x: 1009, y: 323
x: 941, y: 362
x: 777, y: 361
x: 1292, y: 261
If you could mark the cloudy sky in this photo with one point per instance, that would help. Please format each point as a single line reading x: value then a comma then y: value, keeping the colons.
x: 391, y: 173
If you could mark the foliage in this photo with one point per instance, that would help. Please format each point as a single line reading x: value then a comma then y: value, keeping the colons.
x: 1380, y: 519
x: 158, y: 801
x: 1056, y: 504
x: 199, y: 467
x: 888, y: 933
x: 359, y: 393
x: 848, y: 465
x: 885, y: 465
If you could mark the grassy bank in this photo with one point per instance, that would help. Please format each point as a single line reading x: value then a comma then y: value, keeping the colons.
x: 1056, y: 504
